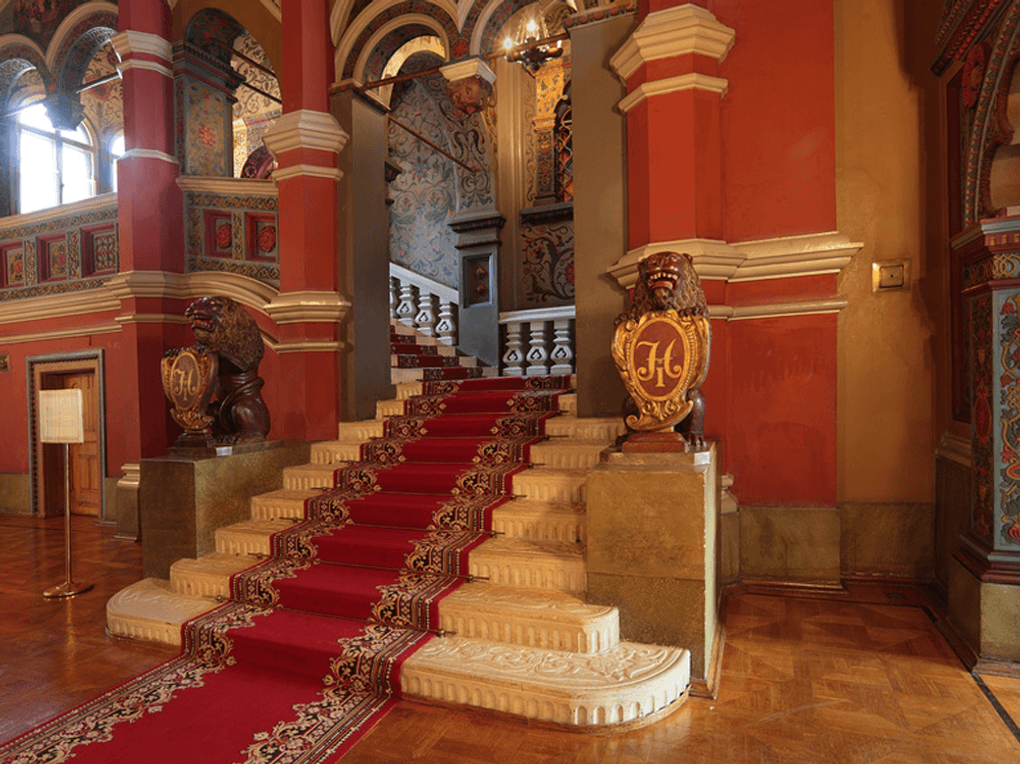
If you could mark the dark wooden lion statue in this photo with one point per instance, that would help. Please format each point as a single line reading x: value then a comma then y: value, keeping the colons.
x: 224, y: 328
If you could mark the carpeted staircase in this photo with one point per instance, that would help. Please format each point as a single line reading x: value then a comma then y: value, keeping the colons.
x: 458, y: 511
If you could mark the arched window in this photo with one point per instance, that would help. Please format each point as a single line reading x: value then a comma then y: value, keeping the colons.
x: 116, y: 150
x: 54, y: 166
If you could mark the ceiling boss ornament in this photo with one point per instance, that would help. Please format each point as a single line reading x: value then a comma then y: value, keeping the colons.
x: 661, y: 349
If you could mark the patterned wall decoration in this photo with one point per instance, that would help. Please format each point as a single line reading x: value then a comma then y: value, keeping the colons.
x: 547, y: 260
x: 981, y: 361
x: 104, y: 104
x: 36, y: 19
x: 563, y: 148
x: 253, y: 113
x: 458, y: 42
x: 424, y: 193
x: 1009, y: 421
x: 234, y: 234
x: 205, y: 135
x: 64, y: 253
x: 388, y: 45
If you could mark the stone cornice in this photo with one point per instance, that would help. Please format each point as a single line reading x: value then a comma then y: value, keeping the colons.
x: 191, y: 286
x: 103, y: 201
x: 130, y: 41
x: 307, y: 306
x: 955, y: 449
x: 783, y: 257
x: 311, y: 170
x: 673, y: 32
x: 226, y: 186
x: 139, y: 63
x: 305, y: 129
x: 469, y: 67
x: 81, y: 330
x: 148, y: 154
x: 692, y: 81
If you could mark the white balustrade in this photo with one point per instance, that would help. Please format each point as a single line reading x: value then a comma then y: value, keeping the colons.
x: 425, y: 319
x: 416, y: 305
x: 538, y: 341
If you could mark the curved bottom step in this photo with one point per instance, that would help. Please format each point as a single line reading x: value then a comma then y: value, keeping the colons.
x: 624, y: 684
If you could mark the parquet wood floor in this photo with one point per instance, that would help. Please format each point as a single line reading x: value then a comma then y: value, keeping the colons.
x: 859, y: 677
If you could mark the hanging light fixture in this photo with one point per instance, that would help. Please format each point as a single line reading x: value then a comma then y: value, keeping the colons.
x: 530, y: 45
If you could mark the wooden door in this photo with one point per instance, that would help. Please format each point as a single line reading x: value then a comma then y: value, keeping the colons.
x: 85, y: 456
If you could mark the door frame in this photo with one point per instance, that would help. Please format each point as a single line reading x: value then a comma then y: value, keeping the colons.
x: 63, y: 363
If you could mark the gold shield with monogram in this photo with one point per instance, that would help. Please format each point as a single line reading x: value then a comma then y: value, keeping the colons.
x: 660, y: 357
x: 189, y: 380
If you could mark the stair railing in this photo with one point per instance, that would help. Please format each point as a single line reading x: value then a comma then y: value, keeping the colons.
x: 539, y: 341
x: 419, y: 302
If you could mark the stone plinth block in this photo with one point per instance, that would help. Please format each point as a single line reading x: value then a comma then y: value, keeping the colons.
x: 653, y: 547
x: 183, y: 498
x: 986, y: 614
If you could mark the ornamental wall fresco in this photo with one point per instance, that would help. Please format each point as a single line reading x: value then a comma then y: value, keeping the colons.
x: 253, y: 113
x: 233, y: 234
x: 424, y: 194
x: 64, y: 253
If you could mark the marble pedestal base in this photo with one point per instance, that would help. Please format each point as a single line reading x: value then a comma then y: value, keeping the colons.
x: 184, y: 497
x: 987, y: 615
x: 653, y: 548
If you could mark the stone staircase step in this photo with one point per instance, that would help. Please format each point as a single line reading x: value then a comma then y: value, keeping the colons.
x: 335, y: 452
x: 282, y: 503
x: 249, y: 536
x: 150, y: 610
x: 409, y: 389
x: 506, y: 561
x: 567, y: 454
x: 530, y: 617
x: 309, y: 476
x: 541, y: 520
x: 386, y: 409
x: 547, y: 484
x: 359, y: 432
x: 604, y: 430
x: 624, y: 684
x: 208, y: 576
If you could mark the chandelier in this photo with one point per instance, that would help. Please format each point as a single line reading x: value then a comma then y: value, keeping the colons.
x: 531, y: 45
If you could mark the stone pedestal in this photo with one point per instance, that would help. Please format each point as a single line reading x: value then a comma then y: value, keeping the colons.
x: 653, y: 548
x: 184, y: 497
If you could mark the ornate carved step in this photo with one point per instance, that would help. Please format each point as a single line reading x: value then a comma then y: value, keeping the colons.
x: 531, y: 564
x: 285, y: 502
x: 545, y: 484
x: 541, y: 520
x: 603, y: 430
x: 626, y: 683
x: 309, y: 476
x: 359, y: 432
x: 150, y: 610
x: 566, y: 454
x: 208, y: 576
x: 335, y: 452
x: 530, y: 617
x: 249, y: 536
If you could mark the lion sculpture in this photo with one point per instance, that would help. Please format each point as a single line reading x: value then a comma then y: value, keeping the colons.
x: 224, y: 328
x: 667, y: 280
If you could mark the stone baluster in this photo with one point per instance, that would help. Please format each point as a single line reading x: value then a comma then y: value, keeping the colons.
x: 394, y: 297
x: 513, y: 358
x: 538, y: 356
x: 406, y: 310
x: 425, y: 318
x: 562, y: 355
x: 446, y: 328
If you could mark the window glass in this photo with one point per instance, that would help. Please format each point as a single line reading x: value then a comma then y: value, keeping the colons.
x: 116, y: 152
x: 39, y: 186
x: 36, y: 116
x: 79, y: 135
x: 77, y: 175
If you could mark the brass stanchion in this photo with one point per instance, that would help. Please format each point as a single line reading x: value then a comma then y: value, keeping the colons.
x: 60, y: 421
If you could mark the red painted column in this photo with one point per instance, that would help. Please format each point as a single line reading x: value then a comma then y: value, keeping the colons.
x: 305, y: 142
x: 150, y: 217
x: 674, y: 159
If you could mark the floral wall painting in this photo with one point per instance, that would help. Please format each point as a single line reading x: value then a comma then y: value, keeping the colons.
x: 36, y: 19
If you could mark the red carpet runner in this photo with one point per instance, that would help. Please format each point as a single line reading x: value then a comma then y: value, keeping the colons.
x: 306, y: 655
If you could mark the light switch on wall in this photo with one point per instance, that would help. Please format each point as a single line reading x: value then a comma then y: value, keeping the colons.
x: 889, y: 275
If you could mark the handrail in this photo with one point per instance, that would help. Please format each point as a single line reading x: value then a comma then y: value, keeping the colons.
x: 538, y: 314
x: 442, y: 291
